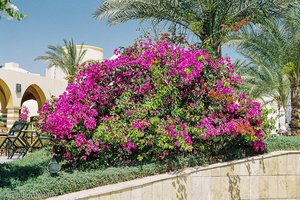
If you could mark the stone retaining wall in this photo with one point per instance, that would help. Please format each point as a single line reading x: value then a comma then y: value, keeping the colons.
x: 271, y: 176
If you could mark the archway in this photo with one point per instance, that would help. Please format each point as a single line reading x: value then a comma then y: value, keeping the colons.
x: 5, y: 101
x: 33, y: 98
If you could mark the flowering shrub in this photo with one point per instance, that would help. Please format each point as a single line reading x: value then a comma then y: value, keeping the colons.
x: 236, y: 26
x: 155, y: 100
x: 24, y: 114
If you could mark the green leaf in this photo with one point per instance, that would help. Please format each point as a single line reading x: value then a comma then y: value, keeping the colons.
x: 189, y: 70
x: 140, y: 158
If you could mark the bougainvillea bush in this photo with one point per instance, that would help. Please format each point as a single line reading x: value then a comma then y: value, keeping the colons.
x: 24, y: 115
x: 156, y: 100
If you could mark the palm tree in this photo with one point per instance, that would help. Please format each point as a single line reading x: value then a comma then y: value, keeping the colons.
x: 261, y: 82
x: 204, y: 18
x: 273, y: 48
x: 292, y: 67
x: 66, y: 57
x: 292, y: 70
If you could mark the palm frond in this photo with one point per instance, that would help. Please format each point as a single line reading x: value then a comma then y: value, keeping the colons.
x: 203, y: 18
x: 66, y: 57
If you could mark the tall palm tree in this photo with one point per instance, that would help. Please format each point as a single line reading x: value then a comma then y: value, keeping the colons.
x: 274, y: 47
x: 204, y: 18
x: 292, y: 67
x: 66, y: 57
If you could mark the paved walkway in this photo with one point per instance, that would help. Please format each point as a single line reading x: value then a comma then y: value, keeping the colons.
x: 3, y: 159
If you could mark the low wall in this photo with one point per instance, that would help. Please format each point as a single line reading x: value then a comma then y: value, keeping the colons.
x: 271, y: 176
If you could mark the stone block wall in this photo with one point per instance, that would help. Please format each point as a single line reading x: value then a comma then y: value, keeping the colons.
x: 270, y: 176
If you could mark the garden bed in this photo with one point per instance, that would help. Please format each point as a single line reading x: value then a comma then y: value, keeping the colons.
x: 29, y: 178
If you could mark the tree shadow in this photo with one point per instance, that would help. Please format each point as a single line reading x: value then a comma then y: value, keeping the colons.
x: 10, y: 173
x: 234, y: 184
x: 180, y: 184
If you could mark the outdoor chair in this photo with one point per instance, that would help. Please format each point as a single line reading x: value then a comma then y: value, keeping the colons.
x: 37, y: 139
x: 14, y: 140
x: 40, y: 140
x: 3, y: 134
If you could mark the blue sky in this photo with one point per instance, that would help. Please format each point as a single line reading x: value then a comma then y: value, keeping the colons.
x: 50, y: 21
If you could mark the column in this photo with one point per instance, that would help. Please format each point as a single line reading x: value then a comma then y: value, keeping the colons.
x: 4, y: 117
x: 12, y: 115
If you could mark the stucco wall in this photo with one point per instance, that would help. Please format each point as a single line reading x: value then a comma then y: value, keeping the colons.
x: 272, y: 176
x: 40, y: 87
x: 47, y: 85
x: 33, y: 86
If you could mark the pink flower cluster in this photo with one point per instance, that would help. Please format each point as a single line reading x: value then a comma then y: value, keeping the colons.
x: 24, y: 114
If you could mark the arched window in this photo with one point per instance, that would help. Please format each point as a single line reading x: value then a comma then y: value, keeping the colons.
x: 33, y: 98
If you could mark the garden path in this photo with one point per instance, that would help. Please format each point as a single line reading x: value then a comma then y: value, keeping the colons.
x: 4, y: 159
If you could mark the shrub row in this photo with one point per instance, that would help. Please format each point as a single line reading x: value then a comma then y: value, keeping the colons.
x: 28, y: 178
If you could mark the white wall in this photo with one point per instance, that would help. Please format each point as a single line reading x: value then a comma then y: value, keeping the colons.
x: 279, y: 116
x: 53, y: 84
x: 48, y: 86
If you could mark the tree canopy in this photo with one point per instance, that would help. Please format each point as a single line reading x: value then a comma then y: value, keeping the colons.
x: 204, y: 18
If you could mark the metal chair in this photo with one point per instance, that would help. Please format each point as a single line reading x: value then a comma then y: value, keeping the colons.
x: 40, y: 140
x: 14, y: 141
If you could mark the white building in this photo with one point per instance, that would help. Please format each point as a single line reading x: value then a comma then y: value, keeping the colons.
x: 19, y: 87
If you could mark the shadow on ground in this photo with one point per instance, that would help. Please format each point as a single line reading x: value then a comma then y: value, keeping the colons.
x: 13, y: 172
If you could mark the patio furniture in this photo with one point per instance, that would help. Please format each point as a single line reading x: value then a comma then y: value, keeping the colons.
x: 35, y: 139
x: 3, y: 134
x: 40, y: 139
x: 15, y: 141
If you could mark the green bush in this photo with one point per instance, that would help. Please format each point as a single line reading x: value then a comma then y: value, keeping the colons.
x: 282, y: 143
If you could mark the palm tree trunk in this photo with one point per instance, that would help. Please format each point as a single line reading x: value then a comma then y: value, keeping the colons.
x: 285, y: 115
x: 278, y: 118
x: 217, y: 48
x: 70, y: 78
x: 295, y: 102
x: 214, y: 44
